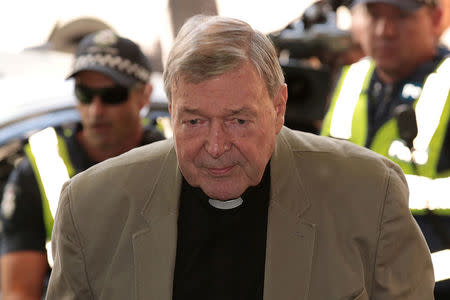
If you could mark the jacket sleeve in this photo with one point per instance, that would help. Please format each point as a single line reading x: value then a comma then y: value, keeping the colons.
x: 68, y: 280
x: 403, y: 267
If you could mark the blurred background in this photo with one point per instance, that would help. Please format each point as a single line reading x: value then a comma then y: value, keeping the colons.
x: 152, y: 24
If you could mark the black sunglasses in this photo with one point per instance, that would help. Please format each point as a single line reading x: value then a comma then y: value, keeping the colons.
x: 110, y: 95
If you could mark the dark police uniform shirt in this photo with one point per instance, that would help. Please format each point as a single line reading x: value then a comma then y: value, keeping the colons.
x: 221, y: 253
x: 384, y: 98
x: 23, y: 225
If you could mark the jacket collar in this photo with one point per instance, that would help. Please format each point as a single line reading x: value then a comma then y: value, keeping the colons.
x: 285, y: 178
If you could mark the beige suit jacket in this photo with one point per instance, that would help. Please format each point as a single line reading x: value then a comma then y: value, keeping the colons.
x: 339, y: 227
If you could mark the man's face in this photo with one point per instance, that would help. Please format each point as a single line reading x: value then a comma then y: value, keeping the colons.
x: 107, y: 126
x: 224, y: 130
x: 397, y: 40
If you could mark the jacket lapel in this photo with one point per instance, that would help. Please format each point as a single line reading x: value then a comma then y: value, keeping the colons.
x: 155, y: 247
x: 290, y: 239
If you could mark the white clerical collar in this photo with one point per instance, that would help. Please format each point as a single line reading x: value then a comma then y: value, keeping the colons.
x: 228, y: 204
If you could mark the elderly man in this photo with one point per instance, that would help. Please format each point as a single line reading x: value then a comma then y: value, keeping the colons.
x: 236, y: 206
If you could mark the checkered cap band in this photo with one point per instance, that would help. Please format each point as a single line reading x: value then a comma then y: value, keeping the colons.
x: 117, y: 57
x: 117, y: 63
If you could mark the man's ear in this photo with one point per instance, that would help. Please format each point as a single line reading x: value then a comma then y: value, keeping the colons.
x: 280, y: 106
x: 147, y: 92
x: 437, y: 19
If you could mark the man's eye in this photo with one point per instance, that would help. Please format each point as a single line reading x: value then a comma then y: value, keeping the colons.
x: 240, y: 121
x: 193, y: 122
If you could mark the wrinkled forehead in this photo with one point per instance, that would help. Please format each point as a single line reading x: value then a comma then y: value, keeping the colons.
x: 239, y: 83
x: 201, y: 75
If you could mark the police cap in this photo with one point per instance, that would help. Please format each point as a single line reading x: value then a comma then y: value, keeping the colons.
x: 113, y: 55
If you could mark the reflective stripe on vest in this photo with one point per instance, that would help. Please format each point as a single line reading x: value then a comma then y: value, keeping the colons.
x: 352, y: 86
x: 441, y: 261
x: 429, y: 109
x: 46, y: 151
x: 428, y: 195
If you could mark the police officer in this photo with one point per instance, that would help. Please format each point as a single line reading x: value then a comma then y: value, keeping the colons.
x: 396, y: 102
x: 111, y: 76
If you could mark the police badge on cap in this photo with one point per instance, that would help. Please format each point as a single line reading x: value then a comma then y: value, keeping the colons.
x: 105, y: 38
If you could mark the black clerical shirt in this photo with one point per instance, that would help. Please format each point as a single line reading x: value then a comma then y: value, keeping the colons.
x: 221, y: 253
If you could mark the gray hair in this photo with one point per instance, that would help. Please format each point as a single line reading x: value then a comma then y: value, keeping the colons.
x: 209, y: 46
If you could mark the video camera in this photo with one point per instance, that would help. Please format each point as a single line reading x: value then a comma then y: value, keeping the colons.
x: 308, y: 49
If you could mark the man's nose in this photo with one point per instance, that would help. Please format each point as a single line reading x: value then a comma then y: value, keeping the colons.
x: 385, y: 27
x: 97, y: 106
x: 218, y: 140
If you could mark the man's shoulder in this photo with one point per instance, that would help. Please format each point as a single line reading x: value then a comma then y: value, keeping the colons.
x: 327, y: 150
x: 337, y: 173
x: 128, y: 177
x: 148, y: 153
x: 307, y: 142
x: 138, y: 163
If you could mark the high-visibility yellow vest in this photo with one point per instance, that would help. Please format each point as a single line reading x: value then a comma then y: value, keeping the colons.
x: 347, y: 118
x: 49, y: 158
